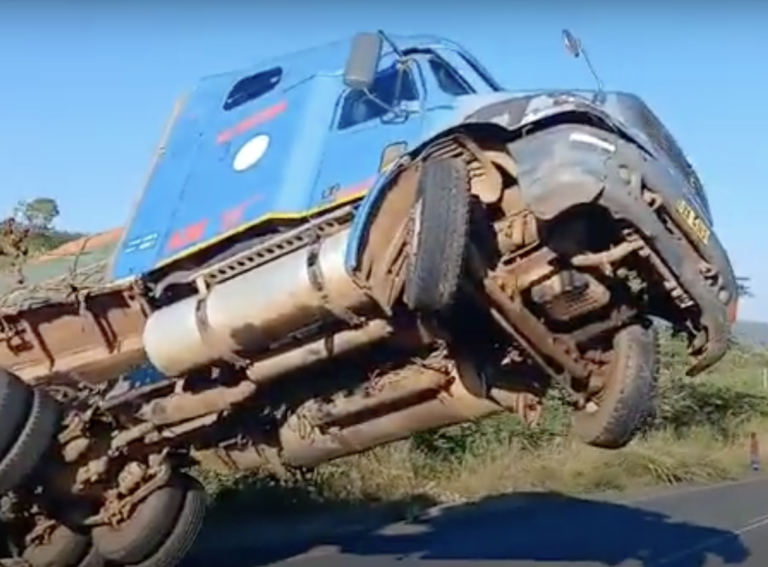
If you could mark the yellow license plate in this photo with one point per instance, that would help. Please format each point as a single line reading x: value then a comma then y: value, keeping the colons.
x: 695, y: 223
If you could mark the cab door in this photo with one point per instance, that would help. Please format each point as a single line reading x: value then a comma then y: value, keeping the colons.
x: 369, y: 132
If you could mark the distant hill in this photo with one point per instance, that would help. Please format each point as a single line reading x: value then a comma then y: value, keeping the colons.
x: 41, y: 243
x: 752, y: 332
x: 74, y: 254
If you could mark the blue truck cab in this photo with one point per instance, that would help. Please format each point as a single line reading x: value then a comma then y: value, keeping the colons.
x: 346, y: 189
x: 337, y: 249
x: 288, y: 139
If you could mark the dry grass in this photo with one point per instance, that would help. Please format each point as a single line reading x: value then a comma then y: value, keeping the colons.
x: 399, y: 474
x: 395, y: 472
x: 701, y: 436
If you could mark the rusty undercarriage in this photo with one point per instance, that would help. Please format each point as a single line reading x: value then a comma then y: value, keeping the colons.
x: 537, y: 305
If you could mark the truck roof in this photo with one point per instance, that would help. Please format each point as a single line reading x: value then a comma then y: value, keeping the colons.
x: 330, y: 58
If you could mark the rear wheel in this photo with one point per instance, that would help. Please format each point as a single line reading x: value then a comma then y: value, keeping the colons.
x: 189, y: 522
x: 64, y: 548
x: 15, y: 400
x: 40, y: 423
x: 138, y: 537
x: 161, y: 530
x: 616, y: 412
x: 92, y: 558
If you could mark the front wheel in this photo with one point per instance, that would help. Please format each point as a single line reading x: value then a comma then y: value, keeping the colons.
x: 620, y: 408
x: 440, y: 233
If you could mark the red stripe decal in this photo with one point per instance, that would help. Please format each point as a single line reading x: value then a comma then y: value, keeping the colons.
x: 252, y: 121
x: 187, y: 236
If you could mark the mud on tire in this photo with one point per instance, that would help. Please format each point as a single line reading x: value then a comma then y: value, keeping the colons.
x: 15, y: 400
x: 32, y: 441
x: 162, y: 530
x: 139, y: 536
x: 189, y: 522
x: 64, y: 548
x: 441, y: 221
x: 627, y: 401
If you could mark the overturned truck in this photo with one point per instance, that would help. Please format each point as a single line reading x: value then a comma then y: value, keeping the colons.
x: 336, y: 249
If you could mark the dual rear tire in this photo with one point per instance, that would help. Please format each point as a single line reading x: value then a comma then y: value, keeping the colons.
x: 30, y: 422
x: 161, y: 530
x: 160, y: 533
x: 64, y: 548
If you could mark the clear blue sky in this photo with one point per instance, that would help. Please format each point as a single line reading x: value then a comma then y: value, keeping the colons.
x: 85, y: 86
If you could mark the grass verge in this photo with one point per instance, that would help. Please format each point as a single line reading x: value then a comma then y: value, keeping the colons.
x: 701, y: 435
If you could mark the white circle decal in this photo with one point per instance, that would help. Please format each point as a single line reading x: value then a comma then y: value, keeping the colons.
x: 251, y: 152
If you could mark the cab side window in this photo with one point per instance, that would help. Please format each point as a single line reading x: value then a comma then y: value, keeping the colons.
x: 391, y: 86
x: 447, y: 78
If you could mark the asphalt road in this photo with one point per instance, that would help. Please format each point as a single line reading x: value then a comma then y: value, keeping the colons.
x: 725, y: 524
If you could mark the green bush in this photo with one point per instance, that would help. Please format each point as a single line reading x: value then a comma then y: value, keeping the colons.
x: 468, y: 440
x: 684, y: 405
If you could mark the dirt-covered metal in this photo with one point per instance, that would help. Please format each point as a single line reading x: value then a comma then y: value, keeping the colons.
x: 314, y: 269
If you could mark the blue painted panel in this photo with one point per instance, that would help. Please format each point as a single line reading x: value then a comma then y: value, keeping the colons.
x: 196, y: 195
x: 200, y: 188
x: 161, y: 195
x: 223, y: 190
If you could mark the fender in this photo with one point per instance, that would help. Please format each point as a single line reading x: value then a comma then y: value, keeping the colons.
x: 485, y: 118
x: 369, y: 206
x: 358, y: 232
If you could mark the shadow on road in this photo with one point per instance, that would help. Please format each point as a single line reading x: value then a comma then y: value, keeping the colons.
x: 536, y: 527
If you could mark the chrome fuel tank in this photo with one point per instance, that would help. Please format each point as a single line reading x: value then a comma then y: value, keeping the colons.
x: 254, y: 311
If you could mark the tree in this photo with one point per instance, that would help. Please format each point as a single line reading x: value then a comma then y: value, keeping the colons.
x: 38, y: 213
x: 30, y: 231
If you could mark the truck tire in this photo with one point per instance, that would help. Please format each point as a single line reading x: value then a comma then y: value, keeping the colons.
x: 15, y: 399
x: 441, y: 221
x: 151, y: 523
x: 189, y: 522
x: 7, y: 549
x: 64, y: 548
x: 33, y: 441
x: 93, y: 558
x: 627, y: 400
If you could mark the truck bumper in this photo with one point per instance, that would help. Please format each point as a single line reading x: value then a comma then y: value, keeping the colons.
x: 571, y: 165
